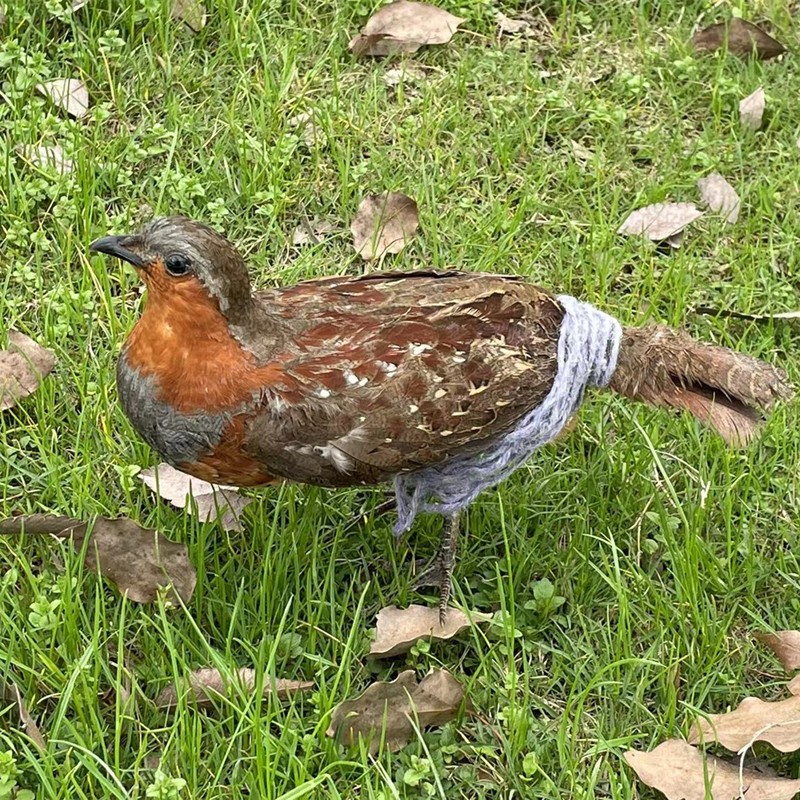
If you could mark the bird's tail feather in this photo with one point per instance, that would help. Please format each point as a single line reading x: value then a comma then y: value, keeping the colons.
x: 726, y: 390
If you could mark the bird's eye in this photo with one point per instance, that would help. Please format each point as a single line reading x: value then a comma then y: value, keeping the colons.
x: 177, y: 264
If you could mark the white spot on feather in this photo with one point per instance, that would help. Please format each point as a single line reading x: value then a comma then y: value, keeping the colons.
x: 350, y: 377
x: 439, y: 393
x: 418, y: 349
x: 323, y: 393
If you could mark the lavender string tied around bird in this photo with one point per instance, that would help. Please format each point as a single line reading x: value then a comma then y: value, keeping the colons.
x: 588, y: 346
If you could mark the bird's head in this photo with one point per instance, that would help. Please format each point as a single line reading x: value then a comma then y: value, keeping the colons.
x: 181, y: 260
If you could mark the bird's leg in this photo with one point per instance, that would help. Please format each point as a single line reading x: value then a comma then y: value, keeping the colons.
x: 441, y: 571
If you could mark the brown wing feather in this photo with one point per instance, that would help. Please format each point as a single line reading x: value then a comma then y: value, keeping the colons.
x: 399, y: 371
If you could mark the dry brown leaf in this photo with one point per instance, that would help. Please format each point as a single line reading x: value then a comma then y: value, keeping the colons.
x: 46, y: 157
x: 387, y: 711
x: 191, y: 12
x: 398, y: 630
x: 510, y: 26
x: 682, y: 772
x: 794, y: 685
x: 785, y: 644
x: 720, y: 196
x: 408, y: 72
x: 207, y: 684
x: 214, y: 502
x: 404, y: 27
x: 69, y: 94
x: 383, y: 224
x: 312, y: 231
x: 660, y: 221
x: 23, y: 366
x: 138, y: 561
x: 744, y: 39
x: 751, y: 109
x: 754, y: 720
x: 309, y: 131
x: 10, y: 693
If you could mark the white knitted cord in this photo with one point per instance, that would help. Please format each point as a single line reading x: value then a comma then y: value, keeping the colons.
x: 588, y: 347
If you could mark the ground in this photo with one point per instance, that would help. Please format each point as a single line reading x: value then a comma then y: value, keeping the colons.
x: 524, y: 155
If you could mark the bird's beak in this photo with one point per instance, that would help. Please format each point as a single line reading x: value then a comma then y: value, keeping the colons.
x: 119, y: 247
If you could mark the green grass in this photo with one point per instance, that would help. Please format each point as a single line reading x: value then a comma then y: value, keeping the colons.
x: 669, y: 548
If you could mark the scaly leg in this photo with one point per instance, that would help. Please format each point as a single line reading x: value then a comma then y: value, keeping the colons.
x: 441, y: 571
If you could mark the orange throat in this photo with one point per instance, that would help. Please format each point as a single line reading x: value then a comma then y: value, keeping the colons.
x: 183, y: 342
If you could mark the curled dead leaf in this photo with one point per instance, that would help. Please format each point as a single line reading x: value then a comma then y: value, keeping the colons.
x: 212, y: 502
x: 785, y: 644
x: 682, y: 772
x: 312, y: 231
x: 407, y: 72
x: 385, y: 712
x: 138, y: 561
x: 398, y: 630
x: 206, y: 684
x: 754, y: 720
x: 744, y: 39
x: 720, y: 196
x: 512, y: 25
x: 404, y: 27
x: 70, y: 94
x: 10, y: 693
x: 191, y: 13
x: 23, y: 366
x: 308, y: 129
x: 383, y: 224
x: 46, y: 157
x: 660, y: 221
x: 751, y: 109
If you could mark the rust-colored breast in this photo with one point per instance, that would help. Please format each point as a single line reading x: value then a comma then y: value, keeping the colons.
x: 202, y: 374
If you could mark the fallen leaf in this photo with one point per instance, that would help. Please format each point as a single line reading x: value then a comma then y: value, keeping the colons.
x: 682, y: 772
x: 191, y: 12
x: 507, y: 25
x: 660, y: 221
x: 386, y: 712
x: 138, y: 561
x: 46, y: 157
x: 744, y: 39
x: 383, y: 224
x: 214, y: 502
x: 751, y: 109
x: 405, y: 73
x: 794, y: 685
x: 23, y: 366
x: 207, y: 684
x: 754, y: 720
x: 10, y: 693
x: 720, y: 196
x: 310, y: 132
x: 785, y: 644
x: 404, y: 27
x: 312, y: 231
x: 69, y: 94
x: 723, y: 312
x: 398, y: 630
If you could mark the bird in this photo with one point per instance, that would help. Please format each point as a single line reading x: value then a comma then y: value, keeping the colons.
x: 358, y: 380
